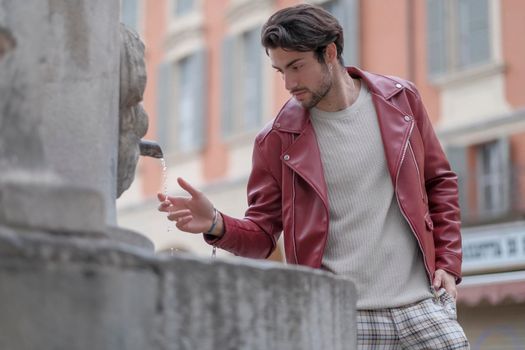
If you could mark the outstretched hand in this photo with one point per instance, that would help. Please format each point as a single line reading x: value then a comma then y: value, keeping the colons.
x: 192, y: 214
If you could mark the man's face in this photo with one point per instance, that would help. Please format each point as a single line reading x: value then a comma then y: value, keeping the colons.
x: 304, y: 77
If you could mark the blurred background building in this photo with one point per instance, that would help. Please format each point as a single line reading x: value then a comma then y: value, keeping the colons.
x: 211, y: 88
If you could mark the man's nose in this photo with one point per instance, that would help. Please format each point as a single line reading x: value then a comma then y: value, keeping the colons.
x: 290, y: 83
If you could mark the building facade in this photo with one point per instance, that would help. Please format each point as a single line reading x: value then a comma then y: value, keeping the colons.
x: 211, y: 88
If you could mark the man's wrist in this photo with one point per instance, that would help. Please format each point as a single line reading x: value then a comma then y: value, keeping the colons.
x: 217, y: 227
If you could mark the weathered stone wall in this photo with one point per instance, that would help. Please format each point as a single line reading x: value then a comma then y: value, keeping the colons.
x: 80, y: 294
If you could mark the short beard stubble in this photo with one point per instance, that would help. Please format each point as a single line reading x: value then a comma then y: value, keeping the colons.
x: 322, y: 91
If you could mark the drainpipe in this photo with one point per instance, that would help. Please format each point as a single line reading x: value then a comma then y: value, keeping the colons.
x: 411, y: 54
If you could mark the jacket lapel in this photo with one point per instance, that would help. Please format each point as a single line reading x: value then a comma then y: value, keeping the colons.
x: 393, y: 123
x: 304, y: 157
x: 395, y: 129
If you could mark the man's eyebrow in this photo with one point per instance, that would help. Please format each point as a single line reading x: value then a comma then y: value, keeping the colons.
x: 289, y: 64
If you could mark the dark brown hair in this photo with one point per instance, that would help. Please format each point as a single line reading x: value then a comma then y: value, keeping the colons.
x: 303, y: 28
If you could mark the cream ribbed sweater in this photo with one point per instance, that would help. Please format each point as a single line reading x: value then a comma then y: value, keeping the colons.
x: 369, y: 240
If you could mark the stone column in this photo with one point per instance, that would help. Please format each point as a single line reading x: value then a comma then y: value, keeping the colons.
x: 59, y: 104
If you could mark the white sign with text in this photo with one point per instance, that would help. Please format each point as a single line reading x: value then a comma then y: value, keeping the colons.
x: 494, y: 247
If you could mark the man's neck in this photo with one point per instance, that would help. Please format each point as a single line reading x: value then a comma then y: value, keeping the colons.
x: 343, y: 93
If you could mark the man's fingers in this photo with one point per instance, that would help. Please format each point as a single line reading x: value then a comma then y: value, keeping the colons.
x: 182, y: 222
x: 187, y: 187
x: 164, y: 206
x: 437, y: 281
x: 443, y: 279
x: 178, y: 214
x: 164, y: 202
x: 450, y: 287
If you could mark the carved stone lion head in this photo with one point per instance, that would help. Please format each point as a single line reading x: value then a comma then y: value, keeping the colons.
x: 133, y: 120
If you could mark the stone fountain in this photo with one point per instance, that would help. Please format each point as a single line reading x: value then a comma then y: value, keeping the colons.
x: 71, y: 123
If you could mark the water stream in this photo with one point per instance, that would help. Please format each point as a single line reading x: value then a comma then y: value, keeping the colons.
x: 169, y: 228
x: 164, y: 176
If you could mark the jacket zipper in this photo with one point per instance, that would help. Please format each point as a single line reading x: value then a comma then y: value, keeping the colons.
x: 293, y: 213
x: 293, y: 218
x: 405, y: 147
x: 417, y: 169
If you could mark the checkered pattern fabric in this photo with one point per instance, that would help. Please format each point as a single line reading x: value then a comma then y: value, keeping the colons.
x: 429, y: 324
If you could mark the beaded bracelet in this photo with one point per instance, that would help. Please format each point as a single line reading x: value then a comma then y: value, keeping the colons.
x: 214, y: 222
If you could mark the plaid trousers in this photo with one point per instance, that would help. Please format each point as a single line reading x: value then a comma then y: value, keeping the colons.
x: 429, y: 324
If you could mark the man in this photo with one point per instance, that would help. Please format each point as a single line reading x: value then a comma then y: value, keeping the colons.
x: 352, y: 172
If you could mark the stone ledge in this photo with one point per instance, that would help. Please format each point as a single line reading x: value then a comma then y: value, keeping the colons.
x: 78, y: 293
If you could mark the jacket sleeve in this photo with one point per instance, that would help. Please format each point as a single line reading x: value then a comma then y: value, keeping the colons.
x: 442, y: 191
x: 255, y: 235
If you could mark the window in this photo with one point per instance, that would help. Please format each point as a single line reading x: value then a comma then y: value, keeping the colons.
x: 129, y: 14
x: 185, y: 109
x: 458, y: 35
x: 251, y: 79
x: 485, y: 184
x: 242, y: 83
x: 181, y: 103
x: 183, y: 7
x: 493, y: 178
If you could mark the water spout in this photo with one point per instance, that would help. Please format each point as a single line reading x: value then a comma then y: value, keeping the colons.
x: 150, y: 149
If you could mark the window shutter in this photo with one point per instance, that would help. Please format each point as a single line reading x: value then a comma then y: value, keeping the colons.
x: 258, y: 57
x: 185, y: 115
x: 494, y: 177
x: 199, y: 95
x: 347, y: 13
x: 350, y: 22
x: 252, y: 80
x: 227, y: 117
x: 505, y: 172
x: 474, y: 40
x: 164, y: 98
x: 437, y: 49
x: 457, y: 157
x: 352, y: 33
x: 129, y: 14
x: 183, y: 7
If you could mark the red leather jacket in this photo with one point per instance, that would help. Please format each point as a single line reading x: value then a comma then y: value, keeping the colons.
x: 287, y: 191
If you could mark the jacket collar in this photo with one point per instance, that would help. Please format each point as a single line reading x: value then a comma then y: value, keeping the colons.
x: 293, y: 117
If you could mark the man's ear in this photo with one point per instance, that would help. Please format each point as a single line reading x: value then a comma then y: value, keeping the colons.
x: 330, y: 53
